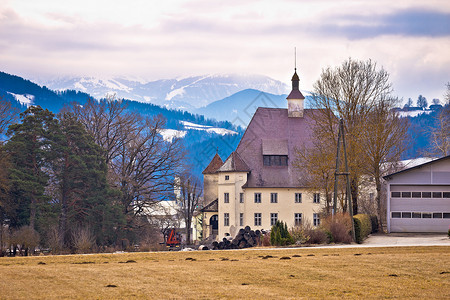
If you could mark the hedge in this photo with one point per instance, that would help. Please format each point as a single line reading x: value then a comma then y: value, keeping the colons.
x: 363, y: 227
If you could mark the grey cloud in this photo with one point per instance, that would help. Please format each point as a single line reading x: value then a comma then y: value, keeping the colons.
x: 413, y: 22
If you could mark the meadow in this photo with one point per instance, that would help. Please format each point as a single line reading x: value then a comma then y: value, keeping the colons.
x: 403, y: 272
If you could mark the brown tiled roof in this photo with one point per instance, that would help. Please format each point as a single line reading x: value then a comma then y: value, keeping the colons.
x: 214, y: 165
x: 272, y: 124
x: 234, y: 163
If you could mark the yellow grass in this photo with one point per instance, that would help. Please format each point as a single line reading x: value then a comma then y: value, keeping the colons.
x: 407, y: 272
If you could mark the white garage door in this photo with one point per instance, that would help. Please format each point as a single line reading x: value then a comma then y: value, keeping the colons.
x: 420, y: 209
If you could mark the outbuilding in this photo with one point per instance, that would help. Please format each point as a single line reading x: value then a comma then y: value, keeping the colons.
x: 418, y: 198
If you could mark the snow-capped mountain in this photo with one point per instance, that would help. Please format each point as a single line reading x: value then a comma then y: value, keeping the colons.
x: 182, y: 93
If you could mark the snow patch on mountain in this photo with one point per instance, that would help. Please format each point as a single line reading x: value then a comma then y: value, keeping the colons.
x: 169, y: 134
x: 25, y: 99
x: 221, y: 131
x: 413, y: 113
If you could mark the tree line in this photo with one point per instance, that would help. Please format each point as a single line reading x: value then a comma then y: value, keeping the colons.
x: 87, y: 175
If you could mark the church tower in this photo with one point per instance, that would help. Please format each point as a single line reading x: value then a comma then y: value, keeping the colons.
x: 295, y: 98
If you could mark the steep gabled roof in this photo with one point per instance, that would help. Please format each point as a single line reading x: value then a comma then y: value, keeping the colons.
x: 213, y: 206
x: 214, y: 165
x: 272, y: 132
x: 234, y: 163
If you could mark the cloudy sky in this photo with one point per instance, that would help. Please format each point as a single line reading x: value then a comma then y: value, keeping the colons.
x: 164, y: 39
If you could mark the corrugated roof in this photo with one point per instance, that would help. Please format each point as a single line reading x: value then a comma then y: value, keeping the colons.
x: 387, y: 177
x: 214, y: 165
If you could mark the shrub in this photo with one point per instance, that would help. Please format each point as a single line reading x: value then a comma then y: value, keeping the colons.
x: 27, y: 238
x: 374, y: 222
x: 338, y: 228
x: 279, y: 235
x: 266, y: 239
x: 317, y: 236
x: 363, y: 227
x: 83, y: 240
x: 300, y: 234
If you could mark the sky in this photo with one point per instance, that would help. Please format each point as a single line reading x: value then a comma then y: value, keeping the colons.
x: 165, y: 39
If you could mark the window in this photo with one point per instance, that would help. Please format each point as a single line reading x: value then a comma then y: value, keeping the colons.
x: 316, y: 198
x: 241, y: 197
x: 257, y: 197
x: 241, y: 219
x: 298, y: 197
x: 416, y: 194
x: 316, y: 220
x: 446, y: 194
x: 416, y: 215
x: 446, y: 215
x: 273, y: 197
x: 298, y: 219
x: 426, y: 215
x: 437, y: 215
x: 227, y: 177
x: 406, y: 194
x: 426, y: 194
x: 273, y: 218
x: 226, y: 198
x: 257, y: 219
x: 226, y: 219
x: 396, y: 215
x: 275, y: 160
x: 437, y: 194
x: 395, y: 194
x: 406, y: 215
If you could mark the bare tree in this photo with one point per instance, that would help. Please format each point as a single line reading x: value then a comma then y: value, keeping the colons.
x: 8, y: 115
x: 190, y: 192
x: 141, y: 164
x: 384, y: 142
x: 350, y: 92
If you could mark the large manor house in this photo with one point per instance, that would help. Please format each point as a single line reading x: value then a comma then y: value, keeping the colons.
x: 258, y: 183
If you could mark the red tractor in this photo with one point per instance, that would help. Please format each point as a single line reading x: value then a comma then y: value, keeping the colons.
x: 173, y: 240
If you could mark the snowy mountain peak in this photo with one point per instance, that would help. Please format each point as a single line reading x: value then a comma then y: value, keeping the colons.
x: 181, y: 92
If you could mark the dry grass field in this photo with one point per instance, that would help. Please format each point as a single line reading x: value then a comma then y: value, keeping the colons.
x: 406, y: 272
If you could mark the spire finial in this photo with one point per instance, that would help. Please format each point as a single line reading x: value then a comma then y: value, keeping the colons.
x: 295, y: 58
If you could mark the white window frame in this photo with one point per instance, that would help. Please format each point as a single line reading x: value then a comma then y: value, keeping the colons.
x: 241, y: 219
x: 258, y: 197
x: 298, y: 219
x: 316, y: 219
x: 316, y: 198
x: 226, y: 197
x: 241, y: 197
x: 273, y: 218
x: 298, y: 197
x: 226, y: 219
x: 273, y: 197
x: 258, y: 219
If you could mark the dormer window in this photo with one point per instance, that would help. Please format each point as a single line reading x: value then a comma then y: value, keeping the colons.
x: 227, y: 177
x: 275, y: 160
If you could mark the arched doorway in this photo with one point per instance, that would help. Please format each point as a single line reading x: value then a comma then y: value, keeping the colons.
x: 214, y: 224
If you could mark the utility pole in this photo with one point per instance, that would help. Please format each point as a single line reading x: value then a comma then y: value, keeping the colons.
x: 337, y: 173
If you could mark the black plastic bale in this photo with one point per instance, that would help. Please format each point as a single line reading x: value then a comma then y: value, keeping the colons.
x: 257, y: 232
x: 241, y: 231
x: 235, y: 241
x: 247, y: 228
x: 247, y: 236
x: 242, y: 244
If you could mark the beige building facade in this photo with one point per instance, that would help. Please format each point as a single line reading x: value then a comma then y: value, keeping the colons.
x: 259, y: 183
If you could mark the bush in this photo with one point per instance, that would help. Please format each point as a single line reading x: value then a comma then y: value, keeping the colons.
x: 363, y: 227
x: 374, y: 222
x: 338, y: 228
x: 27, y: 238
x: 317, y: 236
x: 279, y: 235
x: 83, y: 240
x: 300, y: 235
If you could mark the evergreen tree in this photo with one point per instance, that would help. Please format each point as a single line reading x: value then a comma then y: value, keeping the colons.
x: 29, y: 148
x: 409, y: 103
x: 84, y: 195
